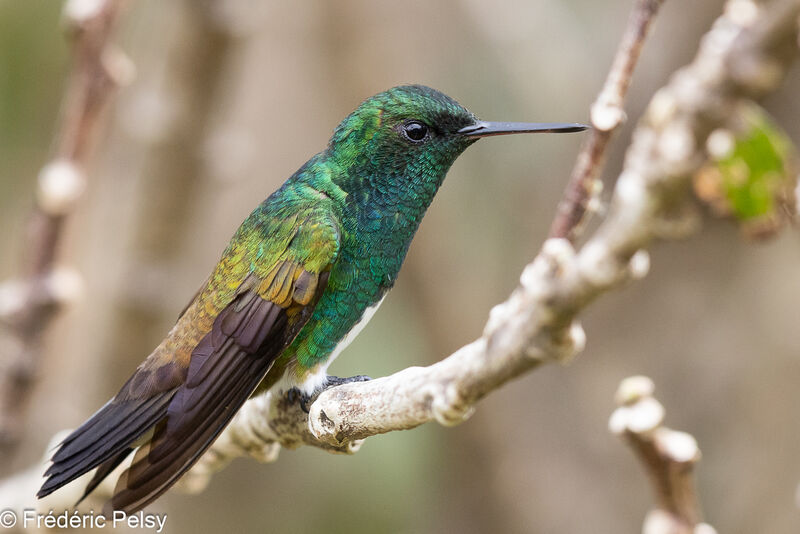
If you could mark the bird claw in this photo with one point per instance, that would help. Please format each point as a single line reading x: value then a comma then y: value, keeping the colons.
x: 294, y: 395
x: 305, y: 400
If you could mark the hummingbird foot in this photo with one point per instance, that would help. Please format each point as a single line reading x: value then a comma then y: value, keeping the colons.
x: 294, y: 395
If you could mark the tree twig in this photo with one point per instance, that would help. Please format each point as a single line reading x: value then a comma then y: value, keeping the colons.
x: 27, y: 305
x: 667, y: 455
x: 607, y: 114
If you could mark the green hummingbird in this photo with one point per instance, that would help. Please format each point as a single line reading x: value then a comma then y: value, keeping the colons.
x: 299, y: 279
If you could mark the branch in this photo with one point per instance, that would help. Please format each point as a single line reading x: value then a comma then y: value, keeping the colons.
x: 607, y: 114
x: 742, y: 56
x: 668, y: 456
x: 27, y: 305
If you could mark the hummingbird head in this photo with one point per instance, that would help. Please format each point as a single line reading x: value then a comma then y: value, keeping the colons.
x: 401, y: 132
x: 401, y: 142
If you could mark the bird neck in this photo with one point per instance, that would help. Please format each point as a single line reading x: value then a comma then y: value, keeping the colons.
x: 388, y: 200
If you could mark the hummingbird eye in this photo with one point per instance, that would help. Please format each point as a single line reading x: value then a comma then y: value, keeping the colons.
x: 415, y: 131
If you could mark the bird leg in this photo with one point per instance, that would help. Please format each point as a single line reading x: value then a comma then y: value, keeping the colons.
x: 295, y: 395
x: 305, y: 400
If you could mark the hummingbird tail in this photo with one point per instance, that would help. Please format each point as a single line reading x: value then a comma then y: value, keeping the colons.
x: 196, y: 417
x: 105, y: 469
x: 103, y: 438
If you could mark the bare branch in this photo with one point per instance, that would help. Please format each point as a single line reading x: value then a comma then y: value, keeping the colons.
x: 667, y: 455
x: 607, y: 114
x: 27, y: 305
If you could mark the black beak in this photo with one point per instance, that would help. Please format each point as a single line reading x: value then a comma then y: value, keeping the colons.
x: 487, y: 129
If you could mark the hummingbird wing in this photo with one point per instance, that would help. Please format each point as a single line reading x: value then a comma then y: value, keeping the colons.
x: 189, y: 388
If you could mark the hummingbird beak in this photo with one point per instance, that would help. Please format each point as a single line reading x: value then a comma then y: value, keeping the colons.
x: 488, y: 129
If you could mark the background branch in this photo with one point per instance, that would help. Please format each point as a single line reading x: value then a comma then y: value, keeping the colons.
x: 27, y: 305
x: 667, y: 455
x: 607, y: 114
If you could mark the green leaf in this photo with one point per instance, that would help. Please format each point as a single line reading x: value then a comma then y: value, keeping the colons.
x: 752, y: 172
x: 755, y: 169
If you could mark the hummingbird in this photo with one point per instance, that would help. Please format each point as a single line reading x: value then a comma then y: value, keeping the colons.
x: 302, y: 275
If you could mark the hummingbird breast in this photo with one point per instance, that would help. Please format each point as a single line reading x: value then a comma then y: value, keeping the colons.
x: 374, y: 246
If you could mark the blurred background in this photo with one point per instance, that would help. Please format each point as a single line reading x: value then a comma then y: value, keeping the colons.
x: 232, y: 96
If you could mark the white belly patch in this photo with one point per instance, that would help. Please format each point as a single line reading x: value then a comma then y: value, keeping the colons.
x: 316, y: 379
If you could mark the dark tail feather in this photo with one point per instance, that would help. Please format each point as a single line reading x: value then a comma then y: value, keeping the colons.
x: 103, y: 438
x: 188, y: 432
x: 102, y: 472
